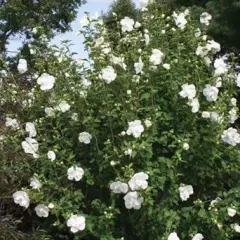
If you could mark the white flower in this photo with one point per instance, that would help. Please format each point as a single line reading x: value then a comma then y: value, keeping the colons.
x: 207, y: 61
x: 12, y: 123
x: 51, y: 155
x: 135, y: 128
x: 185, y: 146
x: 185, y: 192
x: 231, y: 212
x: 119, y: 187
x: 30, y: 145
x: 133, y: 200
x: 139, y: 66
x: 74, y: 117
x: 236, y: 227
x: 108, y: 74
x: 210, y: 92
x: 166, y: 66
x: 233, y: 116
x: 51, y: 205
x: 198, y: 236
x: 46, y: 82
x: 76, y: 223
x: 138, y: 181
x: 186, y: 12
x: 84, y: 22
x: 49, y: 112
x: 75, y: 173
x: 99, y: 41
x: 194, y: 103
x: 218, y: 82
x: 197, y: 33
x: 42, y: 210
x: 82, y: 93
x: 128, y: 152
x: 206, y: 114
x: 2, y: 137
x: 143, y: 3
x: 205, y: 18
x: 238, y: 80
x: 22, y: 66
x: 30, y: 128
x: 234, y: 102
x: 86, y: 83
x: 213, y: 46
x: 188, y: 91
x: 136, y: 79
x: 127, y: 24
x: 35, y: 183
x: 146, y: 38
x: 118, y: 61
x: 156, y: 57
x: 220, y: 67
x: 173, y: 236
x: 106, y: 48
x: 180, y: 20
x: 201, y: 51
x: 231, y: 136
x: 63, y: 106
x: 113, y: 163
x: 85, y: 137
x: 215, y: 117
x: 123, y: 133
x: 215, y: 201
x: 21, y: 198
x: 137, y: 25
x: 148, y: 123
x: 34, y: 30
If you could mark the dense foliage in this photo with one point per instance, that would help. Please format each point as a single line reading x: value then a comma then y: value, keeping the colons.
x: 136, y: 142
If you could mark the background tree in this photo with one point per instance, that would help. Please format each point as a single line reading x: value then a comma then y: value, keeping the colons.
x: 226, y: 17
x: 20, y: 17
x: 119, y: 9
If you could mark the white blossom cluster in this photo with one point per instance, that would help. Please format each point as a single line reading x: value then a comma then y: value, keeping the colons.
x: 210, y: 47
x: 189, y: 92
x: 180, y: 19
x: 132, y: 198
x: 30, y: 145
x: 12, y: 123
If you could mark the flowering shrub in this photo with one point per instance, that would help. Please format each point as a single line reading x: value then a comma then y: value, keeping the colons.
x: 138, y: 142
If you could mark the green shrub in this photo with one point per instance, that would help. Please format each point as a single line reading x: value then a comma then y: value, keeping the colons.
x: 132, y: 144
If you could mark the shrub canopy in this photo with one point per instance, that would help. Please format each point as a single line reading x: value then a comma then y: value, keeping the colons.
x: 136, y: 142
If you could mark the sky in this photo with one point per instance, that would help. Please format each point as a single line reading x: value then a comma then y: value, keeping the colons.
x: 92, y: 6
